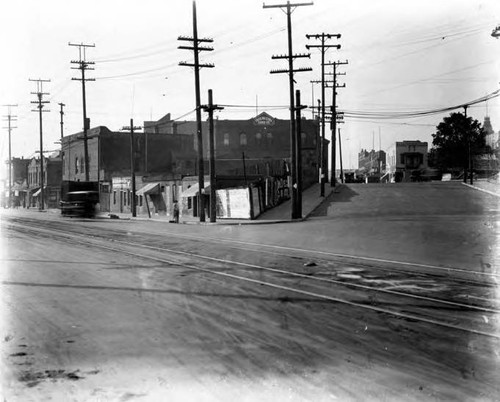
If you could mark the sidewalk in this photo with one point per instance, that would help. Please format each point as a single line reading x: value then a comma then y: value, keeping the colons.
x: 486, y: 185
x: 311, y: 200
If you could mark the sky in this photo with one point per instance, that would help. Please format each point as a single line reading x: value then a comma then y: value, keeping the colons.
x: 403, y: 56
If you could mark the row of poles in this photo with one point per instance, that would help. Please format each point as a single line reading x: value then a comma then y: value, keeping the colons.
x: 40, y: 103
x: 197, y: 45
x: 295, y: 112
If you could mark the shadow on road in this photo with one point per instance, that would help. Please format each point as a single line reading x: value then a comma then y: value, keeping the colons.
x: 345, y: 194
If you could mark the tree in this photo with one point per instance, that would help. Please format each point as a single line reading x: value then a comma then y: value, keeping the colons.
x: 451, y: 142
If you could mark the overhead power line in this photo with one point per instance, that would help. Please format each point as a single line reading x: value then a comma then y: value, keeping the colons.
x: 414, y: 114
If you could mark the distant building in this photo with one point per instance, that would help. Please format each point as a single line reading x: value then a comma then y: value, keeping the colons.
x: 372, y: 163
x: 19, y: 172
x: 52, y: 172
x: 492, y: 138
x: 406, y: 156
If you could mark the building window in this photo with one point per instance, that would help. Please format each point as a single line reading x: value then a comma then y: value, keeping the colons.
x: 226, y: 139
x: 76, y: 164
x: 243, y: 139
x: 402, y: 159
x: 269, y: 137
x: 140, y: 200
x: 258, y: 138
x: 114, y: 197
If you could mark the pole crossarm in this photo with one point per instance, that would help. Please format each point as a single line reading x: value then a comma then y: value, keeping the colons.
x: 288, y: 4
x: 197, y: 65
x: 295, y: 56
x: 323, y: 46
x: 196, y: 48
x: 295, y: 70
x: 323, y: 36
x: 190, y: 39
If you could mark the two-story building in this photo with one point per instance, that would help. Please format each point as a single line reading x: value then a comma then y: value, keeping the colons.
x: 15, y: 196
x: 406, y: 156
x: 254, y: 151
x: 52, y: 173
x: 159, y: 163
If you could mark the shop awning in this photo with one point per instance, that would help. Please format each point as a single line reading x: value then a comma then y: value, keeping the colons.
x: 148, y: 189
x: 193, y: 191
x: 37, y: 192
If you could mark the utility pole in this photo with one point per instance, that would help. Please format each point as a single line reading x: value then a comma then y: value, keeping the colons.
x: 298, y: 109
x: 211, y: 143
x: 62, y: 132
x: 334, y: 116
x: 196, y: 48
x: 132, y: 164
x: 10, y: 119
x: 323, y: 37
x: 39, y: 93
x: 293, y: 134
x: 83, y: 65
x: 340, y: 157
x: 470, y: 162
x: 62, y: 119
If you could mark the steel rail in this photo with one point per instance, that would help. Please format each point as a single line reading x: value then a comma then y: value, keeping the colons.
x: 268, y: 284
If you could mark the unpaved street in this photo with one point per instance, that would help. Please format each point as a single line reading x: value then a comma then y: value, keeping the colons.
x: 102, y: 310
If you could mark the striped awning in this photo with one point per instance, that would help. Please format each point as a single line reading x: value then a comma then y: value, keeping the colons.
x: 148, y: 189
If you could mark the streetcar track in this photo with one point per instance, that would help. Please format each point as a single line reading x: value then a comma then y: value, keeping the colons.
x: 299, y: 275
x: 279, y: 286
x: 352, y: 260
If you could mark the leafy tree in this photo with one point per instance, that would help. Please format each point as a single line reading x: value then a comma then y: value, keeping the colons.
x: 451, y: 142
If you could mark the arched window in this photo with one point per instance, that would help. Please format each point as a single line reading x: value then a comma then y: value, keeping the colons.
x: 243, y: 139
x: 76, y: 164
x: 226, y: 139
x: 258, y: 138
x: 269, y: 137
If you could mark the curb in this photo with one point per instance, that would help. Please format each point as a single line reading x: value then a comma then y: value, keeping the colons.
x: 481, y: 189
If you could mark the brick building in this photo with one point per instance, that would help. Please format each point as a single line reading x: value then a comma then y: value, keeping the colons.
x: 160, y: 162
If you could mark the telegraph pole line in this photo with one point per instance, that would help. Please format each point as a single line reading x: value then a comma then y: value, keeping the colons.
x: 84, y: 65
x: 10, y: 119
x: 39, y: 93
x: 334, y: 116
x: 131, y: 128
x: 323, y: 37
x: 211, y: 143
x: 293, y: 134
x: 196, y: 48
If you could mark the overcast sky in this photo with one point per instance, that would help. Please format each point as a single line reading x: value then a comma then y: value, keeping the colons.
x: 403, y: 57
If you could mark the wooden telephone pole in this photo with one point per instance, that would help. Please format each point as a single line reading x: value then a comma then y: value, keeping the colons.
x: 324, y: 47
x: 196, y: 48
x: 10, y: 119
x: 39, y: 93
x: 290, y: 71
x: 213, y: 196
x: 83, y: 66
x: 133, y: 203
